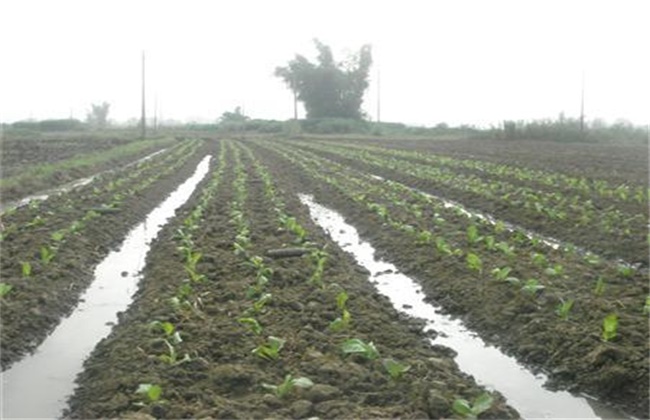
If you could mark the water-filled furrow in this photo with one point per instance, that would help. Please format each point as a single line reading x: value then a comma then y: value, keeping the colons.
x: 488, y: 365
x: 38, y: 385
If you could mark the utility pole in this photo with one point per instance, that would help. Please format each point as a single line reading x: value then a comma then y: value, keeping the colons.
x: 378, y: 98
x: 143, y: 121
x: 155, y: 114
x: 582, y: 106
x: 295, y: 97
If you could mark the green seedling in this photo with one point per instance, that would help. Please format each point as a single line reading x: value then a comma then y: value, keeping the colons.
x: 489, y: 243
x: 563, y: 308
x: 481, y: 404
x: 271, y: 350
x: 625, y: 270
x: 592, y: 259
x: 168, y: 329
x: 288, y: 385
x: 357, y: 346
x: 58, y: 236
x: 425, y: 237
x: 259, y: 304
x: 532, y: 286
x: 499, y: 227
x: 5, y: 289
x: 36, y: 221
x: 341, y: 322
x: 507, y: 250
x: 319, y: 258
x: 394, y: 368
x: 539, y: 259
x: 555, y: 271
x: 599, y: 289
x: 152, y: 392
x: 646, y: 307
x: 442, y: 246
x: 172, y: 357
x: 341, y: 300
x: 610, y: 327
x: 474, y: 262
x: 473, y: 237
x: 47, y: 254
x: 501, y: 274
x: 26, y: 268
x: 251, y: 324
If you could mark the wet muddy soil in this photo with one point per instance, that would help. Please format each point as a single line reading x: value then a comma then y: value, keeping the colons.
x: 571, y: 352
x: 220, y: 377
x: 51, y: 288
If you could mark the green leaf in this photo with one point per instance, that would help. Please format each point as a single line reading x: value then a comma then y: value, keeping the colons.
x: 482, y: 403
x: 152, y: 392
x: 5, y: 289
x: 303, y: 382
x: 462, y: 408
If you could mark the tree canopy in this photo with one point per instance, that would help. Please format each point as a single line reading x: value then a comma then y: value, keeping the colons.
x: 98, y: 115
x: 327, y: 88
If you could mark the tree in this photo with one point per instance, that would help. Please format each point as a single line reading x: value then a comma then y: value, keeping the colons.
x: 236, y: 116
x: 98, y: 115
x: 329, y: 89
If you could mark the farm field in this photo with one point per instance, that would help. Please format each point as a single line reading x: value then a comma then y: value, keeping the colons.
x: 219, y: 328
x: 34, y: 164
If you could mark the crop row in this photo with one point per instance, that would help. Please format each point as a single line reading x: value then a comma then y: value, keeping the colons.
x: 518, y: 291
x: 299, y: 336
x: 47, y: 261
x: 587, y: 187
x: 552, y: 212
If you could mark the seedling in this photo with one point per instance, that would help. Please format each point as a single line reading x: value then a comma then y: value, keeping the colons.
x: 610, y: 326
x: 507, y: 250
x: 473, y: 237
x: 5, y: 289
x: 474, y: 263
x: 394, y: 368
x: 288, y: 385
x: 489, y: 243
x: 563, y: 309
x: 625, y: 270
x: 555, y: 271
x: 532, y: 286
x: 355, y: 345
x: 341, y: 322
x: 646, y: 307
x: 442, y: 246
x: 252, y: 325
x: 152, y: 392
x: 168, y: 329
x: 599, y: 289
x: 318, y: 257
x: 271, y: 350
x: 172, y: 357
x: 26, y: 268
x: 259, y: 304
x: 425, y: 237
x: 538, y: 259
x: 47, y: 254
x: 58, y: 236
x: 481, y: 404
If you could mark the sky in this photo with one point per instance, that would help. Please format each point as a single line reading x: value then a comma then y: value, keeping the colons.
x: 472, y: 62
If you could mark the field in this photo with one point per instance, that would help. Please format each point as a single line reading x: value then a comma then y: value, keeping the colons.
x: 541, y: 249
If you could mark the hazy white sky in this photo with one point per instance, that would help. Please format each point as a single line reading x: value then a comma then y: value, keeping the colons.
x: 475, y: 62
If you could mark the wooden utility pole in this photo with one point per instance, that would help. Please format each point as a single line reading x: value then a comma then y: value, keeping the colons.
x: 295, y: 97
x: 155, y: 114
x: 582, y: 106
x: 143, y: 120
x: 378, y: 98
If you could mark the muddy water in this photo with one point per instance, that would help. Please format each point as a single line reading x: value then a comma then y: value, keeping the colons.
x: 69, y: 186
x: 38, y: 386
x: 496, y: 371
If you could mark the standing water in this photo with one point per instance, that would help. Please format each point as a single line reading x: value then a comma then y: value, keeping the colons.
x: 490, y: 367
x: 38, y: 386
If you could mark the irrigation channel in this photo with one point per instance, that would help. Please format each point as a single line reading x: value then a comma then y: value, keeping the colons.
x: 491, y: 368
x: 38, y: 385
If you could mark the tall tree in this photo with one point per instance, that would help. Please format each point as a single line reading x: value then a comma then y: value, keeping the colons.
x: 327, y: 88
x: 98, y: 115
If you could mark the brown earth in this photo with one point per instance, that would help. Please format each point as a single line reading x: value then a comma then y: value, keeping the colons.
x: 223, y: 379
x: 523, y: 325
